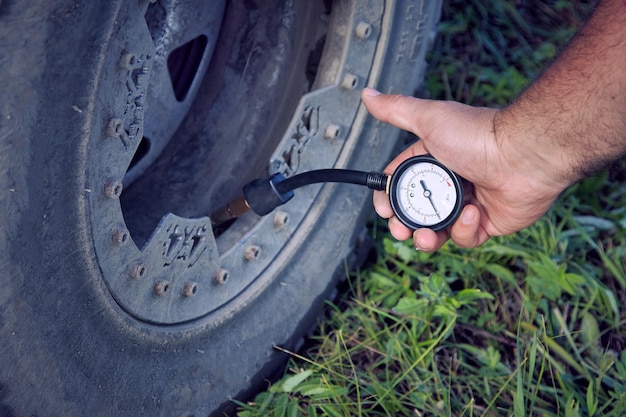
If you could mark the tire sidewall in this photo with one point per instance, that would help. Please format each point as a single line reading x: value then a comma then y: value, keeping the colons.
x: 64, y: 337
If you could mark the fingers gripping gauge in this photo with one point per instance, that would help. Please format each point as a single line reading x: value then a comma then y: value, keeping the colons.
x: 425, y: 193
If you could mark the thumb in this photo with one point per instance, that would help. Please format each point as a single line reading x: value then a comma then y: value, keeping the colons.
x: 401, y: 111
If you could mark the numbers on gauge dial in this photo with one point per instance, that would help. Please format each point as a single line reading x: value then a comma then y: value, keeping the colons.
x: 426, y: 193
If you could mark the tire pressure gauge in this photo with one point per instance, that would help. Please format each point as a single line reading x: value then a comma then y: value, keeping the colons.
x: 422, y: 191
x: 425, y: 193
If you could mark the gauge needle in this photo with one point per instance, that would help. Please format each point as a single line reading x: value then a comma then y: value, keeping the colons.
x: 429, y: 196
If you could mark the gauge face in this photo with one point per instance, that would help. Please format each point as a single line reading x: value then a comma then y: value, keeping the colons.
x: 424, y: 193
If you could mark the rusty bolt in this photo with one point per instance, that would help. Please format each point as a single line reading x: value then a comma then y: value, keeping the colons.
x: 161, y: 287
x: 113, y: 188
x: 281, y: 218
x: 331, y: 131
x: 120, y: 237
x: 114, y: 127
x: 222, y: 276
x: 138, y: 270
x: 128, y: 60
x: 190, y: 289
x: 363, y: 30
x: 252, y: 253
x: 350, y: 81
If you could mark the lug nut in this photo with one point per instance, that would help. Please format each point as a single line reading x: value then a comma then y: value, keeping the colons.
x: 280, y: 219
x: 120, y: 237
x: 113, y: 189
x: 161, y: 287
x: 252, y: 253
x: 331, y: 131
x: 138, y: 270
x: 350, y: 81
x: 114, y: 127
x: 221, y: 277
x: 128, y: 60
x: 190, y: 289
x: 363, y: 30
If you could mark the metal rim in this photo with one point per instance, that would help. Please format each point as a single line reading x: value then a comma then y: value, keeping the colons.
x: 166, y: 268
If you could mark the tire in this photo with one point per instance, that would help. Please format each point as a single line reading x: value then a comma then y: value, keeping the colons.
x: 114, y: 115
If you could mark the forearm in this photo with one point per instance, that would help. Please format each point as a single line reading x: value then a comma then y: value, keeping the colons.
x: 573, y: 118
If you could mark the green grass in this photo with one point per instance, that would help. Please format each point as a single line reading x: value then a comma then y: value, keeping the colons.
x: 527, y: 325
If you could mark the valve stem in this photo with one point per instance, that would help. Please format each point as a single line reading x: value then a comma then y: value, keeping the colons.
x: 230, y: 211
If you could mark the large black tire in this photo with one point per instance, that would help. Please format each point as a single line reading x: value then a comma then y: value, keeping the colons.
x: 106, y: 311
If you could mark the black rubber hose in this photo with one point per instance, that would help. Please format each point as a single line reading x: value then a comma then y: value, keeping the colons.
x: 263, y: 195
x: 373, y: 180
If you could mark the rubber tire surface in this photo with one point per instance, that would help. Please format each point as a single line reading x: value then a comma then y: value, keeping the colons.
x: 66, y: 348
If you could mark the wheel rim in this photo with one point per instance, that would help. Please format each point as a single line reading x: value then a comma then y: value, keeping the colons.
x: 168, y: 268
x: 184, y: 35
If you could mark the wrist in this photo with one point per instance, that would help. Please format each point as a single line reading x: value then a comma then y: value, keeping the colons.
x: 530, y: 153
x: 570, y: 122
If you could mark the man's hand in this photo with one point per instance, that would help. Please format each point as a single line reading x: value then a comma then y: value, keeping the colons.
x: 511, y: 189
x: 566, y: 125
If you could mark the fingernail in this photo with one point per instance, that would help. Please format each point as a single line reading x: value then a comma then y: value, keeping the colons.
x: 371, y: 92
x: 468, y: 216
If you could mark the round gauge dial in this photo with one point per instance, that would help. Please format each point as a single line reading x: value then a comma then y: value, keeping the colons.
x: 425, y: 193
